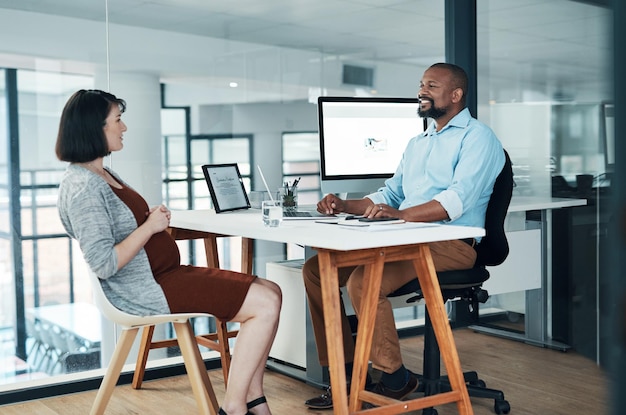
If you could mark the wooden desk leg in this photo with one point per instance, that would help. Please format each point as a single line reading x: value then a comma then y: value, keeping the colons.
x: 246, y: 255
x: 334, y: 340
x: 436, y: 309
x: 210, y: 249
x: 367, y: 318
x: 212, y: 257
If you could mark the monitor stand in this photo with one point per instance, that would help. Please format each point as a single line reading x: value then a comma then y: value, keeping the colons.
x: 352, y: 195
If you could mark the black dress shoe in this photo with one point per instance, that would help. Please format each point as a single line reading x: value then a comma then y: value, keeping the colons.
x: 399, y: 394
x: 324, y: 401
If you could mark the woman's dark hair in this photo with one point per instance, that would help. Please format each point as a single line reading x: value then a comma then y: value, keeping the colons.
x: 81, y: 129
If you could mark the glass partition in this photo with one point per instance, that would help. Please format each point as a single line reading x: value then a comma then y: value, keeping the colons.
x: 180, y: 84
x: 41, y: 281
x: 543, y: 83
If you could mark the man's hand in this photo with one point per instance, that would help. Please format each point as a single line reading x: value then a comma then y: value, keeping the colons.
x: 381, y: 210
x: 330, y: 205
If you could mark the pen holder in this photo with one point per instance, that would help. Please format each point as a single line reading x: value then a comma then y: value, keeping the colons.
x: 289, y: 196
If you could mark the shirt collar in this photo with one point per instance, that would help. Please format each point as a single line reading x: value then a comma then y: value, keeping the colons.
x: 461, y: 120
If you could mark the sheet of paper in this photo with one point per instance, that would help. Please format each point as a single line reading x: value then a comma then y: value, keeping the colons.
x: 359, y: 224
x: 387, y: 226
x: 377, y: 226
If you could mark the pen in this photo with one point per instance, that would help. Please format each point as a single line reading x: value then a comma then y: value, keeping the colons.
x: 265, y: 183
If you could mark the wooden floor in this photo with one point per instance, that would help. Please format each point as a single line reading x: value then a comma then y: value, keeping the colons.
x: 534, y: 380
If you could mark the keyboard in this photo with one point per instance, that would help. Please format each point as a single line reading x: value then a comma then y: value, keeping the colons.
x: 297, y: 214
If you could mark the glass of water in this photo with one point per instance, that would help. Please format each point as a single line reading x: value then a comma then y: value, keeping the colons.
x: 272, y: 212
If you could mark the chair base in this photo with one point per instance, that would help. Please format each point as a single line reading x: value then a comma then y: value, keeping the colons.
x: 217, y: 341
x: 476, y: 388
x: 431, y: 381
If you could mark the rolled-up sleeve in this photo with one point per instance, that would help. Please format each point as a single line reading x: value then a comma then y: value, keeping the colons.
x: 451, y: 202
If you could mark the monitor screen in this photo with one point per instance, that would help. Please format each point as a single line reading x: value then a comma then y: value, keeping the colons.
x: 362, y: 140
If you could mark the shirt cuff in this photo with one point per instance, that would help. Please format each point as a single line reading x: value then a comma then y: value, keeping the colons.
x: 376, y: 197
x: 451, y: 203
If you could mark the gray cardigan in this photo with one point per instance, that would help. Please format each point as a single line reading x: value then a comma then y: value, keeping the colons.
x: 93, y: 215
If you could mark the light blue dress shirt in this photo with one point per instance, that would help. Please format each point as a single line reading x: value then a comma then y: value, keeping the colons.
x: 456, y: 166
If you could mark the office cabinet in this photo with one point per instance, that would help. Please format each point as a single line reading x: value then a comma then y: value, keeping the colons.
x: 579, y: 277
x: 290, y: 342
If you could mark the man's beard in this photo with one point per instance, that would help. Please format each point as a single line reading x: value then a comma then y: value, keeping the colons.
x: 433, y: 112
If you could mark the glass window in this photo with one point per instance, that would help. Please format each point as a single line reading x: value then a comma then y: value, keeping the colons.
x: 240, y: 93
x: 301, y: 155
x: 544, y: 76
x: 40, y: 272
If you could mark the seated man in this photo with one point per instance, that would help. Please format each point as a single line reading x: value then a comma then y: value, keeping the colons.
x: 446, y: 175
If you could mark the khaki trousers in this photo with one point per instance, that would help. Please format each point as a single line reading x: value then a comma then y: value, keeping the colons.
x: 385, y: 354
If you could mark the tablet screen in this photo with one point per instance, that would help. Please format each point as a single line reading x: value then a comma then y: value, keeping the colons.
x: 226, y: 187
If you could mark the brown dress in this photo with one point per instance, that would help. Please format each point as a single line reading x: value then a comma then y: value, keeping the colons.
x: 187, y: 288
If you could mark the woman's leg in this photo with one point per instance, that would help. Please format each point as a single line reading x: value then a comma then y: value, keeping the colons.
x: 256, y: 385
x: 258, y: 318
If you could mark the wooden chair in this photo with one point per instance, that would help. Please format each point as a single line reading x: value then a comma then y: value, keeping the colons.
x: 130, y: 324
x: 217, y: 341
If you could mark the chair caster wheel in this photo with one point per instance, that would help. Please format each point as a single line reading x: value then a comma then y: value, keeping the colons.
x: 501, y: 406
x: 478, y: 383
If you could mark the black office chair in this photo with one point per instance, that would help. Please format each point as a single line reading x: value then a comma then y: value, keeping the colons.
x: 465, y: 285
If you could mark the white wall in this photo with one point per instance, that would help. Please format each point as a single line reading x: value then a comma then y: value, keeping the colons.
x: 140, y: 160
x: 524, y: 130
x: 266, y: 121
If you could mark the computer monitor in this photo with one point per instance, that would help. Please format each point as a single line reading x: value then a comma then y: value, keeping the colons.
x: 362, y: 140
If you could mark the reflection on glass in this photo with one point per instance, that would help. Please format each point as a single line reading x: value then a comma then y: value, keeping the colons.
x: 522, y: 87
x: 43, y: 270
x: 543, y: 99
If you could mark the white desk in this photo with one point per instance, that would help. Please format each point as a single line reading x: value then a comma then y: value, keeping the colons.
x: 338, y: 247
x: 528, y: 203
x: 248, y: 224
x: 80, y: 319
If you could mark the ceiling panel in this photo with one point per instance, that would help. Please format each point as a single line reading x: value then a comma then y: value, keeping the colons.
x: 569, y: 35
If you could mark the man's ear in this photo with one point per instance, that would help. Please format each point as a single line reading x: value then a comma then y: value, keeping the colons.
x: 457, y: 95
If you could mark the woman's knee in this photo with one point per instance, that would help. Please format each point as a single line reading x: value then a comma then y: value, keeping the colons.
x: 264, y: 299
x: 273, y: 294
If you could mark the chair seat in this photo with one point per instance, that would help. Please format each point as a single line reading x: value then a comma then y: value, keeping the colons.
x: 449, y: 280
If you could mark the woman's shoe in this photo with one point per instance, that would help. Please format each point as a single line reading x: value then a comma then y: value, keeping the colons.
x: 222, y: 412
x: 256, y: 402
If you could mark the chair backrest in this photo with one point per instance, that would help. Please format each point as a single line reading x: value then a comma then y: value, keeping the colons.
x: 494, y: 247
x: 106, y: 308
